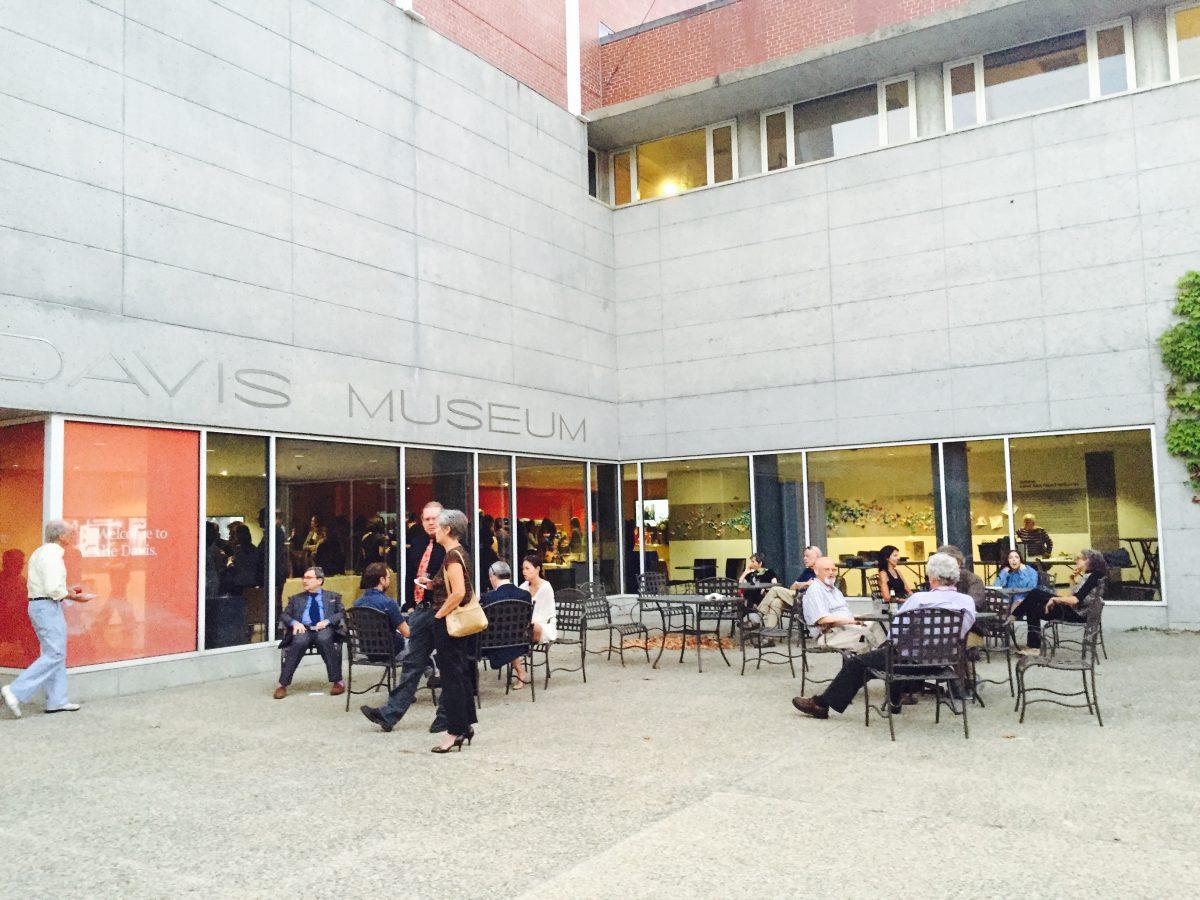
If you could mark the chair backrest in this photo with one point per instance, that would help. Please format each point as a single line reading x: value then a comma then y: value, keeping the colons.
x: 651, y: 583
x: 569, y: 609
x: 927, y: 637
x: 995, y: 602
x: 1092, y: 618
x: 596, y: 608
x: 876, y: 591
x: 726, y: 587
x: 369, y: 633
x: 508, y: 624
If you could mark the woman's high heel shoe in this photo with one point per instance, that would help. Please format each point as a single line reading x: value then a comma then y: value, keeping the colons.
x: 455, y: 745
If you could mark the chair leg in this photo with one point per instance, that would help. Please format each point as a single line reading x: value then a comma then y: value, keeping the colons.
x: 1087, y: 697
x: 1022, y: 698
x: 349, y: 681
x: 966, y: 730
x: 1103, y: 649
x: 583, y: 655
x: 1012, y: 689
x: 866, y: 701
x: 791, y: 659
x: 743, y: 643
x: 1096, y: 698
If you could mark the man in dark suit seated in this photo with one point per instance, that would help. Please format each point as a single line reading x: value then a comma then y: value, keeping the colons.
x: 312, y: 618
x: 500, y: 576
x: 375, y: 581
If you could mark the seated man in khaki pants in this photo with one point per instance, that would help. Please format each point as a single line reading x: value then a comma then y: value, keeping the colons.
x: 829, y: 618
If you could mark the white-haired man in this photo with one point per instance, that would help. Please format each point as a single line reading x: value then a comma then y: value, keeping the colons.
x: 828, y: 616
x: 942, y: 571
x: 46, y: 579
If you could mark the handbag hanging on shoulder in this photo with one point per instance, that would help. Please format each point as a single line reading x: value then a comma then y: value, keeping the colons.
x: 468, y: 617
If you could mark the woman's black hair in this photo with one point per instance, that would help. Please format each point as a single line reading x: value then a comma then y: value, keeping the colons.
x: 884, y: 555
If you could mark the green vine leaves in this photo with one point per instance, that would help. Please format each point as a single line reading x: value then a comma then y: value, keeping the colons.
x: 1180, y: 346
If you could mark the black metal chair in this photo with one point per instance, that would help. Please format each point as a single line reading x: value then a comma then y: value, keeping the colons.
x: 1053, y: 625
x: 370, y: 640
x: 925, y: 645
x: 597, y: 614
x: 791, y: 631
x: 998, y: 637
x: 1082, y: 661
x: 726, y: 587
x: 569, y: 623
x: 509, y: 628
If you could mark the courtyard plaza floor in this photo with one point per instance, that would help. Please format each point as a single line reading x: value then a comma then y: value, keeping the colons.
x: 640, y: 783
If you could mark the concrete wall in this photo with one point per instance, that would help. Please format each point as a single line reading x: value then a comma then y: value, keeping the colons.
x: 311, y: 193
x: 1010, y: 278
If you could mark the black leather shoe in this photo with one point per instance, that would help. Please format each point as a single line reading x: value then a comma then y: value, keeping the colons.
x: 377, y: 717
x: 438, y: 726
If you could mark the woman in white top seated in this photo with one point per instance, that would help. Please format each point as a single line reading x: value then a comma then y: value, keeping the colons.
x: 543, y: 599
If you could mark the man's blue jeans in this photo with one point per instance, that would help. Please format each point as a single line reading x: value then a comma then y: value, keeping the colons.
x: 413, y: 666
x: 49, y: 670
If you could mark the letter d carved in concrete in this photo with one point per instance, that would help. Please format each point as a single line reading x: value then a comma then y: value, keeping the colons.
x: 27, y: 358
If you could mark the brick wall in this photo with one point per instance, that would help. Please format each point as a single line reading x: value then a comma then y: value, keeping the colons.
x: 741, y: 34
x: 525, y: 39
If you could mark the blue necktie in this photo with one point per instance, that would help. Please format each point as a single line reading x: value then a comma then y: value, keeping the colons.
x: 314, y: 611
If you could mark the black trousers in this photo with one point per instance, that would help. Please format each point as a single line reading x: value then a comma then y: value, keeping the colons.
x: 327, y: 645
x: 849, y: 681
x: 1033, y: 609
x: 458, y: 700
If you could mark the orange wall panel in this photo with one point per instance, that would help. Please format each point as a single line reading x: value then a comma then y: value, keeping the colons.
x: 21, y: 474
x: 134, y: 494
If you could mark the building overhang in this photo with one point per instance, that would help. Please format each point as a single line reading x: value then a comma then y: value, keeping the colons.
x: 976, y: 27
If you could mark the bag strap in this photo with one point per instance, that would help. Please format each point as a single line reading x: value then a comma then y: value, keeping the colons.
x: 462, y: 561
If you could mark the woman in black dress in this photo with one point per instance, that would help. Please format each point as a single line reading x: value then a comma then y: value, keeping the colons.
x: 449, y: 588
x: 892, y: 587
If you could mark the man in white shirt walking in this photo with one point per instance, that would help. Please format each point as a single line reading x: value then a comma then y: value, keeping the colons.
x: 47, y: 583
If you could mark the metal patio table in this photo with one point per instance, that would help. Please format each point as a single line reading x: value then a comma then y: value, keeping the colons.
x: 684, y: 614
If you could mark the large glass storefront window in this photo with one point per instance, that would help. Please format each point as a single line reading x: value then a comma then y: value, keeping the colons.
x: 338, y: 507
x: 1093, y: 490
x: 495, y: 513
x: 446, y: 476
x: 552, y: 518
x: 606, y: 549
x: 696, y: 517
x: 21, y: 481
x: 237, y: 549
x: 861, y: 500
x: 133, y: 493
x: 631, y: 532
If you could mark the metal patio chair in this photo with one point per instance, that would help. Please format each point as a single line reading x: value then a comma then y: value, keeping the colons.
x: 569, y: 622
x: 509, y: 627
x: 370, y: 641
x: 597, y: 613
x: 924, y: 645
x: 1065, y: 658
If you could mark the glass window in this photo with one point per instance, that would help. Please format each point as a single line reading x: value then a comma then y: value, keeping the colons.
x: 964, y: 103
x: 722, y: 154
x: 1112, y: 60
x: 338, y: 505
x: 236, y: 549
x: 21, y: 467
x: 696, y: 516
x: 630, y: 531
x: 775, y: 136
x: 672, y: 165
x: 1093, y: 490
x: 134, y: 494
x: 861, y: 500
x: 495, y: 513
x: 622, y: 176
x: 446, y: 476
x: 976, y: 501
x: 1036, y: 76
x: 591, y: 172
x: 838, y: 125
x: 779, y: 512
x: 1186, y: 47
x: 552, y: 517
x: 898, y: 103
x: 606, y: 551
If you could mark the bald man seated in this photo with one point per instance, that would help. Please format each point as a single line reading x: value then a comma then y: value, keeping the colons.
x: 829, y: 619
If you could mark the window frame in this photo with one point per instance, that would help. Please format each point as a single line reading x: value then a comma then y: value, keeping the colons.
x: 789, y: 136
x: 980, y: 106
x: 592, y: 170
x: 612, y: 181
x: 635, y: 196
x: 909, y: 79
x: 710, y: 159
x: 1125, y: 23
x: 1173, y: 35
